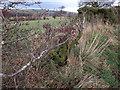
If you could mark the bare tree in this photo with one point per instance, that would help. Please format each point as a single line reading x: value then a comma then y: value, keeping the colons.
x: 96, y: 4
x: 62, y: 7
x: 61, y: 10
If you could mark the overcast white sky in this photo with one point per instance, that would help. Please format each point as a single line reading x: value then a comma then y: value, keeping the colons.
x: 70, y: 5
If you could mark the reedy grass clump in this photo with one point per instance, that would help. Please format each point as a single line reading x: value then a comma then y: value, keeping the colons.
x: 95, y: 53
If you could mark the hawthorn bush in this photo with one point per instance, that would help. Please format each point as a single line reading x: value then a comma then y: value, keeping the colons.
x: 22, y: 44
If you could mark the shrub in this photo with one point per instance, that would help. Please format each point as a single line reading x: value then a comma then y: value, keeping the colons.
x: 107, y: 14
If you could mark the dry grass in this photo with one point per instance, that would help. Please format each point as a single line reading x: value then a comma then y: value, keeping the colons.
x: 92, y: 44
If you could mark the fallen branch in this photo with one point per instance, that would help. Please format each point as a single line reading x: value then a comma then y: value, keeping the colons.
x: 29, y: 63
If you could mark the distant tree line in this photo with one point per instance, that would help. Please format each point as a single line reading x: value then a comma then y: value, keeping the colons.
x: 11, y: 15
x: 96, y: 4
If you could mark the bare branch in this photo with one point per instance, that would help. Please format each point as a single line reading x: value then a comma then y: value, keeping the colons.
x: 21, y: 38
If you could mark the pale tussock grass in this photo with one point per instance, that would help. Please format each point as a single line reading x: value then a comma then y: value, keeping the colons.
x: 95, y: 39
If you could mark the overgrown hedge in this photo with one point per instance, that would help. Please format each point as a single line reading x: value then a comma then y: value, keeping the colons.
x: 111, y: 15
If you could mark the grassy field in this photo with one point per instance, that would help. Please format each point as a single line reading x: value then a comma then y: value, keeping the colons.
x: 39, y: 23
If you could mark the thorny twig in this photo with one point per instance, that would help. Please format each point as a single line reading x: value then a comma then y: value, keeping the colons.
x: 43, y: 53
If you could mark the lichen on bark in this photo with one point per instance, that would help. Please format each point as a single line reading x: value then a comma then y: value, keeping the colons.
x: 60, y: 55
